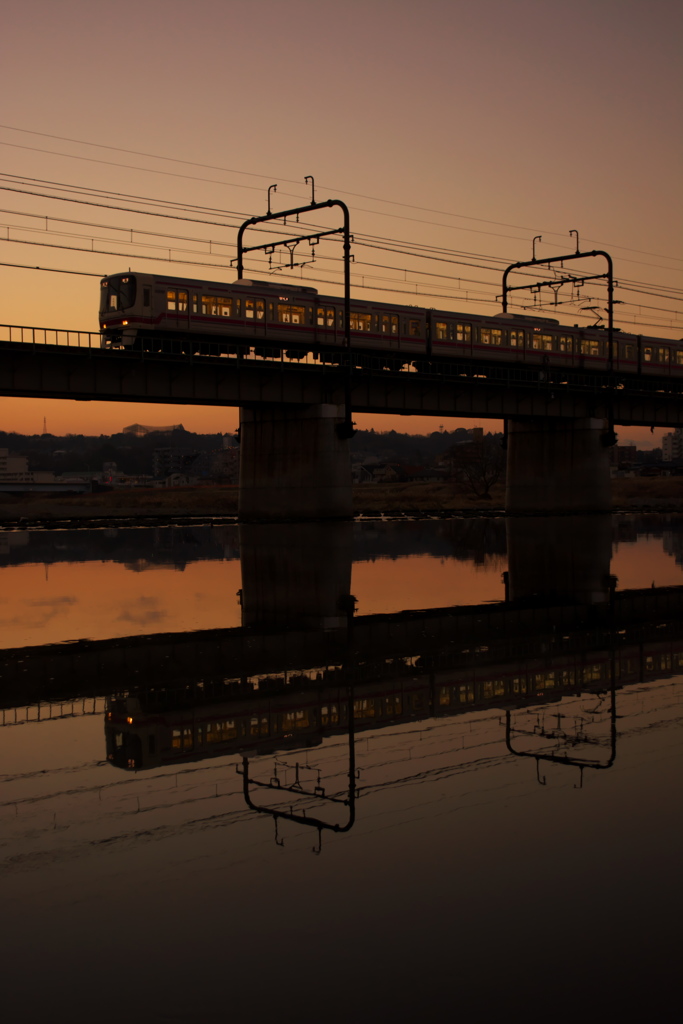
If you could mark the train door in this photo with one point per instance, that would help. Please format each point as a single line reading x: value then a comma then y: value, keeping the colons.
x: 389, y: 329
x: 178, y: 306
x: 255, y: 316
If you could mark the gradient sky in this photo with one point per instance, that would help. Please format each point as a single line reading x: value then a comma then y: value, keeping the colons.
x: 471, y: 126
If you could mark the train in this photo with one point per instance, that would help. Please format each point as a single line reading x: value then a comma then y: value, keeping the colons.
x: 272, y: 320
x: 160, y: 728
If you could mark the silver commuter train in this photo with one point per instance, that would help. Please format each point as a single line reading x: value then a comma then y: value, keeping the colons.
x: 154, y: 313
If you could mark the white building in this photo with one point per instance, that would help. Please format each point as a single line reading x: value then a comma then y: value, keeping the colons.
x: 672, y: 446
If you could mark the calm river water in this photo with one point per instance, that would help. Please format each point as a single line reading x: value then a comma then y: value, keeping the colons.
x: 398, y: 771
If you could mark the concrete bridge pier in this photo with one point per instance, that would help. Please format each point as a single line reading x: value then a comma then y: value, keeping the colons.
x: 557, y: 465
x: 293, y: 464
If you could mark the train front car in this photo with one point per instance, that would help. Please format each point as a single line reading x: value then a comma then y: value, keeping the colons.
x: 122, y: 308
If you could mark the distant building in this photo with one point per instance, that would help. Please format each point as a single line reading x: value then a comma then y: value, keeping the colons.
x: 623, y: 456
x: 672, y: 446
x: 16, y: 476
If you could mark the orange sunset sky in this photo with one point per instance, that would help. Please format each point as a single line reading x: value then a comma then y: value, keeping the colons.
x: 141, y: 135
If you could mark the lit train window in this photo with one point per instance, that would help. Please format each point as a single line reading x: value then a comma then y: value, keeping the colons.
x: 325, y: 317
x: 329, y: 715
x: 542, y: 342
x: 566, y: 343
x: 663, y: 355
x: 361, y: 322
x: 219, y: 732
x: 291, y: 314
x: 647, y: 354
x: 176, y: 301
x: 389, y: 324
x: 590, y: 347
x: 517, y: 339
x: 629, y: 351
x: 414, y: 328
x: 254, y: 308
x: 216, y: 306
x: 491, y: 336
x: 182, y: 738
x: 463, y: 333
x: 679, y: 356
x: 294, y: 720
x: 441, y: 331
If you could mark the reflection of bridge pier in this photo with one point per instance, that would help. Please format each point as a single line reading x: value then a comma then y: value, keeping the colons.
x: 296, y: 575
x: 557, y: 464
x: 560, y: 559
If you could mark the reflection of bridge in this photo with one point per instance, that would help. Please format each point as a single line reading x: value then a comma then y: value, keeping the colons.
x: 219, y: 665
x: 294, y: 463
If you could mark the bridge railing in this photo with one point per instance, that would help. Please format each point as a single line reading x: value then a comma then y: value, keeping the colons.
x: 50, y: 336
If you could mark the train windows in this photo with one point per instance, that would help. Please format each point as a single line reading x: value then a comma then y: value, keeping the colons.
x: 414, y: 328
x: 216, y: 306
x: 329, y: 715
x: 219, y: 732
x: 441, y: 331
x: 361, y: 322
x: 679, y: 357
x: 663, y: 355
x: 629, y: 351
x: 566, y: 343
x: 291, y: 314
x: 254, y: 309
x: 176, y: 301
x: 517, y: 339
x: 294, y: 720
x: 590, y: 347
x: 463, y: 333
x: 325, y: 317
x: 118, y: 293
x: 181, y: 739
x: 389, y: 324
x: 194, y: 303
x: 647, y: 353
x: 491, y: 336
x: 543, y: 342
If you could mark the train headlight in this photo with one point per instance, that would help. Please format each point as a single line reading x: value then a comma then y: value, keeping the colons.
x: 125, y: 323
x: 130, y: 721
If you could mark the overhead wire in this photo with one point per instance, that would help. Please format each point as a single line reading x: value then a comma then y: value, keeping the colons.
x: 410, y: 247
x: 358, y: 195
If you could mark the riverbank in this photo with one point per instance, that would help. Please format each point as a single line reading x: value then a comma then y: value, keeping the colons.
x: 638, y: 494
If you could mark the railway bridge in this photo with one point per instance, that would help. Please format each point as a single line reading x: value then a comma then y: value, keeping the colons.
x: 293, y: 413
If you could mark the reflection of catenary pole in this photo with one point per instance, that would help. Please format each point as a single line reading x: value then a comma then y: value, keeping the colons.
x: 319, y: 792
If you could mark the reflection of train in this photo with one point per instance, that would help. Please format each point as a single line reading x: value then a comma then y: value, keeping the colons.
x: 176, y: 314
x: 153, y: 732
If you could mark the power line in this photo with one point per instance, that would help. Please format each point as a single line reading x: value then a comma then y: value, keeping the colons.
x: 357, y: 195
x: 410, y: 248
